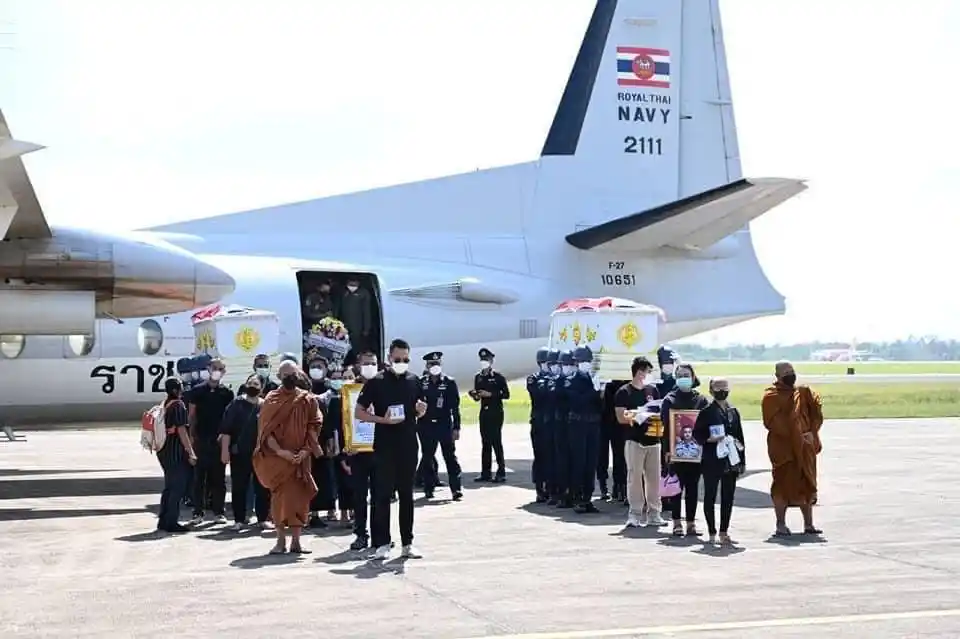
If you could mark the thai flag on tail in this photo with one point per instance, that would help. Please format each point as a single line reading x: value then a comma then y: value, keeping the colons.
x: 643, y: 67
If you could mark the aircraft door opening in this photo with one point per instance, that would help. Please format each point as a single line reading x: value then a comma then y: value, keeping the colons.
x: 330, y: 295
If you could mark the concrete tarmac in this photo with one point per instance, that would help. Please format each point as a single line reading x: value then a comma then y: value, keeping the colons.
x: 80, y: 558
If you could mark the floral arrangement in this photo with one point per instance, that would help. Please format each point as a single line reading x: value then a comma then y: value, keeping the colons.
x: 327, y: 338
x: 332, y: 328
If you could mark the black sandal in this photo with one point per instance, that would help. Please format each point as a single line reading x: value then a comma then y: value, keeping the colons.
x: 297, y: 550
x: 782, y: 532
x: 812, y: 530
x: 278, y: 550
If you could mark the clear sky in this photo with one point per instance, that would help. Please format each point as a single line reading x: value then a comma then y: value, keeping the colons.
x: 155, y: 111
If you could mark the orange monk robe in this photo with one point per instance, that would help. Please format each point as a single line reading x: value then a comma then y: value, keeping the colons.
x: 292, y: 418
x: 788, y: 413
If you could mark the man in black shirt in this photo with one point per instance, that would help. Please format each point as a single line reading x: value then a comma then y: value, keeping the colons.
x: 239, y: 439
x: 393, y: 400
x: 363, y: 465
x: 208, y: 401
x: 641, y: 421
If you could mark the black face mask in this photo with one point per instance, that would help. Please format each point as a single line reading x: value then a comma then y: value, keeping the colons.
x: 252, y: 392
x: 173, y: 394
x: 721, y: 394
x: 289, y: 382
x: 789, y: 380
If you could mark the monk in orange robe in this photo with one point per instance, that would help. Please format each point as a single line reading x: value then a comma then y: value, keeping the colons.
x: 287, y: 436
x: 792, y: 415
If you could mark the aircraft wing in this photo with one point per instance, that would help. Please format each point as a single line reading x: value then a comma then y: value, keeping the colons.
x: 20, y: 212
x: 693, y: 223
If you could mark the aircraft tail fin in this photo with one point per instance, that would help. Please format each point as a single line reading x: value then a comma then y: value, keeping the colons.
x: 20, y: 212
x: 646, y: 124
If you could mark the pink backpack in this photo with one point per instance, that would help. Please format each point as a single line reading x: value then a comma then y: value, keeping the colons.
x: 669, y: 486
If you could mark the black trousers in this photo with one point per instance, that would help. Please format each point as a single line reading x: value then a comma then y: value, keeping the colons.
x: 209, y: 477
x: 423, y: 457
x: 491, y: 440
x: 322, y: 470
x: 431, y: 437
x: 176, y: 475
x: 396, y: 467
x: 362, y: 481
x: 689, y: 476
x: 727, y: 483
x: 612, y: 439
x: 241, y: 471
x: 344, y: 484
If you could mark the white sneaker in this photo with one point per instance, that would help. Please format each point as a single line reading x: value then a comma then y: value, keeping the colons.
x: 219, y: 520
x: 197, y: 520
x: 409, y: 552
x: 633, y: 521
x: 643, y: 519
x: 236, y: 527
x: 656, y: 520
x: 381, y: 553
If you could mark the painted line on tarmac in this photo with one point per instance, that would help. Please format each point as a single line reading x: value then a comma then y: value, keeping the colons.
x: 735, y: 625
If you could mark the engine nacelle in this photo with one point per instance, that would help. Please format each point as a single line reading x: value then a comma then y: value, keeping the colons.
x: 28, y: 311
x: 129, y: 275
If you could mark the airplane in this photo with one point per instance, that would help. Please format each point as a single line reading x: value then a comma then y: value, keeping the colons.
x: 637, y: 193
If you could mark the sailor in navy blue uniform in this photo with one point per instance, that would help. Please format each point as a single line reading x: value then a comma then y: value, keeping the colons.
x: 561, y: 440
x: 440, y: 425
x: 490, y: 389
x: 550, y: 421
x: 537, y: 389
x: 584, y: 410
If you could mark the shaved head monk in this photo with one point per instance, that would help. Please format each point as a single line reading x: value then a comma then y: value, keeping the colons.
x: 792, y: 415
x: 286, y: 438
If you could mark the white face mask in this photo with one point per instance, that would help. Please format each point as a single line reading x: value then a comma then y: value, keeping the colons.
x: 263, y: 371
x: 569, y: 370
x: 204, y: 375
x: 317, y: 373
x: 585, y: 367
x: 435, y: 370
x: 484, y: 364
x: 352, y: 289
x: 400, y: 367
x: 667, y: 369
x: 216, y: 375
x: 555, y: 369
x: 186, y: 377
x: 368, y: 371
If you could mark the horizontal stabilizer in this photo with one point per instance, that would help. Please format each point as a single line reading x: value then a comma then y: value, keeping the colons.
x: 20, y: 212
x: 693, y: 223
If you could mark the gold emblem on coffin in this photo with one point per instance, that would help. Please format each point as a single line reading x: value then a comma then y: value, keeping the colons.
x: 204, y: 341
x: 247, y: 339
x: 629, y: 335
x: 563, y: 334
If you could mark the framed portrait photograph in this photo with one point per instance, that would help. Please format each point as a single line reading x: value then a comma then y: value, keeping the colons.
x: 683, y: 447
x: 357, y: 435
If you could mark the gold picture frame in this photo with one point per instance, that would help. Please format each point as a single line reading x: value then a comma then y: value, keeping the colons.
x: 357, y: 436
x: 684, y: 449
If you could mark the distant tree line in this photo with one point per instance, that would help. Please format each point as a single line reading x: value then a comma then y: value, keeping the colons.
x: 918, y: 349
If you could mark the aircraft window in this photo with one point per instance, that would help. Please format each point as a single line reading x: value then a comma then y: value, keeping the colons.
x: 11, y: 345
x: 81, y: 345
x: 150, y: 337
